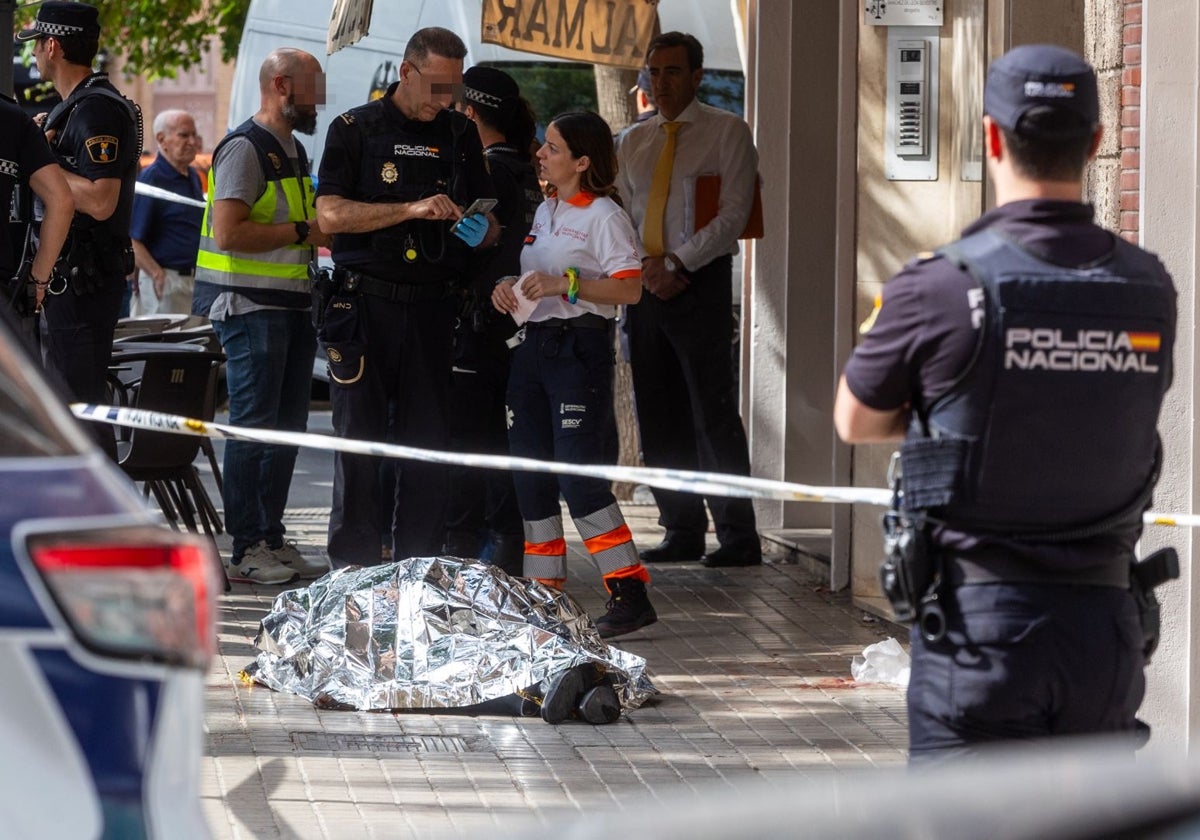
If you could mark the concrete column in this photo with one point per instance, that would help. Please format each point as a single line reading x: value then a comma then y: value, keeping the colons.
x: 788, y: 322
x: 1170, y: 119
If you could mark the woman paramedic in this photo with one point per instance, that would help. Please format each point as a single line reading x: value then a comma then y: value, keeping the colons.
x: 580, y: 261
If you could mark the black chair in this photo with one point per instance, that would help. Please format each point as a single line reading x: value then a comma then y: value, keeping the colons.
x: 172, y: 380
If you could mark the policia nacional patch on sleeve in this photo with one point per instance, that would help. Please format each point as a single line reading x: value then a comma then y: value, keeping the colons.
x: 102, y: 148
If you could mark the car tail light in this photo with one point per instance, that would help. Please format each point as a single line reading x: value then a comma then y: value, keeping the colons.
x: 134, y: 593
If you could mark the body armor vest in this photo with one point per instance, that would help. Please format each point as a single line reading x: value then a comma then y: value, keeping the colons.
x: 399, y: 166
x: 1050, y: 432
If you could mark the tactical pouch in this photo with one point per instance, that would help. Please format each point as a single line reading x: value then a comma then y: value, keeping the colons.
x: 1157, y: 569
x: 322, y: 288
x: 343, y: 336
x: 932, y: 469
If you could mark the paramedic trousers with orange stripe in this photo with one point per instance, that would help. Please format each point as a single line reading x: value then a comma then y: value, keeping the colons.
x: 560, y: 409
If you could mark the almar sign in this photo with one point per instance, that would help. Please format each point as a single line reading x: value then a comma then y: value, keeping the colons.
x: 597, y: 31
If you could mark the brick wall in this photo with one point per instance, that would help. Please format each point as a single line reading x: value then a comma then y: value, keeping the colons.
x: 1131, y: 113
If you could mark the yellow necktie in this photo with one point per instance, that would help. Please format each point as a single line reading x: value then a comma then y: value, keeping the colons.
x: 660, y: 186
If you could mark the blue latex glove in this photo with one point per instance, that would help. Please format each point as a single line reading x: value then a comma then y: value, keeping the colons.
x: 472, y: 229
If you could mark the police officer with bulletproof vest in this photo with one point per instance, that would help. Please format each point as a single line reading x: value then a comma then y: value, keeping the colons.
x: 483, y: 519
x: 395, y: 177
x: 28, y: 168
x: 1024, y: 367
x: 96, y: 134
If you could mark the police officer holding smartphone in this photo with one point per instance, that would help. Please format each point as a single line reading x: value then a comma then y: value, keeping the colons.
x: 394, y: 178
x: 1023, y: 367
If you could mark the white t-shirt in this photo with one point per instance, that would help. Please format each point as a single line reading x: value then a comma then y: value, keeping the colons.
x: 591, y: 233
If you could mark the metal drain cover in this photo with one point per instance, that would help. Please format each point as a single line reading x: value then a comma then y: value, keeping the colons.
x: 332, y: 742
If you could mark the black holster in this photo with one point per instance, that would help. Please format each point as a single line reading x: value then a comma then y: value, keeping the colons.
x: 323, y: 288
x: 911, y: 574
x: 1144, y: 577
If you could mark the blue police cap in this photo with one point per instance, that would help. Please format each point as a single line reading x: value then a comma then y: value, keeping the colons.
x: 1041, y: 75
x: 59, y: 19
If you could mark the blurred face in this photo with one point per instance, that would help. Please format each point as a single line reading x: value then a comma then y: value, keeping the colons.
x: 557, y: 166
x: 179, y: 143
x: 305, y: 91
x: 672, y: 83
x: 434, y: 85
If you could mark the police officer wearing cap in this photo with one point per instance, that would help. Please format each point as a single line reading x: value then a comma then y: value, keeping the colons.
x: 394, y: 180
x: 483, y: 519
x: 1024, y: 367
x: 96, y: 134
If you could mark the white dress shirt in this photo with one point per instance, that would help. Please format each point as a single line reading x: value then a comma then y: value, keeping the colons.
x: 710, y: 141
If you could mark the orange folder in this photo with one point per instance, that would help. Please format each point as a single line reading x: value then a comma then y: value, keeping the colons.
x: 708, y: 200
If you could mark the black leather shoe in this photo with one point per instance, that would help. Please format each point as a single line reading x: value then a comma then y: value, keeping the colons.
x: 728, y: 556
x: 599, y: 705
x: 674, y: 550
x: 564, y: 693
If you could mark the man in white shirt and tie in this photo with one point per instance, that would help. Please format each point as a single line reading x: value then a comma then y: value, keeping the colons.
x: 681, y: 333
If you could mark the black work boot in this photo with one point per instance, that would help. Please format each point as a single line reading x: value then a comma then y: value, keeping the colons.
x: 629, y: 608
x: 599, y: 704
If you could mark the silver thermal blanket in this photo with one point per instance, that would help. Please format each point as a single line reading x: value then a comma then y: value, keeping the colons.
x: 430, y: 633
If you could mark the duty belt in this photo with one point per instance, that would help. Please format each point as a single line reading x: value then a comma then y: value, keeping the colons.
x: 586, y: 321
x: 396, y: 292
x: 961, y: 570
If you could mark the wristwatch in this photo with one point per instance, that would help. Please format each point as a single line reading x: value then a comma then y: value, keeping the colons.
x: 670, y: 265
x: 302, y: 230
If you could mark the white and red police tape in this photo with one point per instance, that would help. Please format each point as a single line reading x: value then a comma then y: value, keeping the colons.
x: 706, y: 483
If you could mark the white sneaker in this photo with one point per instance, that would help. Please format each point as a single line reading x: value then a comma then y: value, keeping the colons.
x: 306, y: 567
x: 259, y: 565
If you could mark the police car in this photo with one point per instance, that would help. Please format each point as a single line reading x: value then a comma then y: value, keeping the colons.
x: 106, y: 627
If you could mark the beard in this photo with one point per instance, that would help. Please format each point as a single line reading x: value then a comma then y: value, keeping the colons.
x: 303, y: 121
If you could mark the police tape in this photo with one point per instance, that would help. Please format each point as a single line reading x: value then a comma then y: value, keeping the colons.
x: 708, y: 484
x: 166, y: 195
x: 687, y: 481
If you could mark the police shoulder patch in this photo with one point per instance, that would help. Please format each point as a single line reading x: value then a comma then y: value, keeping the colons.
x: 102, y: 148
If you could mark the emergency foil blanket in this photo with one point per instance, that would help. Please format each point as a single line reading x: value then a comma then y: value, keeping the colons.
x: 429, y: 633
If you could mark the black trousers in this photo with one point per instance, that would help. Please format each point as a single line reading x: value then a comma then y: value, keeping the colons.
x: 398, y: 394
x: 77, y: 344
x: 480, y: 500
x: 681, y: 355
x: 1024, y: 661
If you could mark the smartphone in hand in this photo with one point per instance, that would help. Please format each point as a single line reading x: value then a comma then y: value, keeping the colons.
x: 479, y: 205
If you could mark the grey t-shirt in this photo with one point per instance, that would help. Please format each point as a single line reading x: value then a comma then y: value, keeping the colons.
x: 239, y: 176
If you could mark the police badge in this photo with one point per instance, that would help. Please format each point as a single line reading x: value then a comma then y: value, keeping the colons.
x: 389, y: 173
x: 275, y: 161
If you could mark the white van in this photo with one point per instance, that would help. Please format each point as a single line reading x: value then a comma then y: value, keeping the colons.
x: 363, y: 70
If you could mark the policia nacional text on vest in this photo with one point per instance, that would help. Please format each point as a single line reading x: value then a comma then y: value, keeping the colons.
x: 271, y: 278
x: 1087, y: 351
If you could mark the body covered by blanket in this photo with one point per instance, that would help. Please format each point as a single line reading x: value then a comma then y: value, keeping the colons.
x: 427, y: 633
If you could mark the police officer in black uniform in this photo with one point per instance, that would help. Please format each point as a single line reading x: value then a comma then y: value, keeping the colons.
x: 483, y: 519
x: 394, y: 179
x: 96, y: 135
x: 28, y: 167
x: 1024, y: 366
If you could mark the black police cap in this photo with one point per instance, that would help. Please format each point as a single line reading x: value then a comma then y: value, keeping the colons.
x: 489, y: 87
x: 59, y: 19
x: 1036, y: 75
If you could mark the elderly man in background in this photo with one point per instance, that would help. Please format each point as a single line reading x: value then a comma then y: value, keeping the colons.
x: 166, y: 233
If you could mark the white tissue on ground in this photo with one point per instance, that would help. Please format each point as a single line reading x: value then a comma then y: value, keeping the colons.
x: 882, y: 662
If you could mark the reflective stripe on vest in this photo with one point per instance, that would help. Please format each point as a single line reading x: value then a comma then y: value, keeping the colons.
x: 283, y: 269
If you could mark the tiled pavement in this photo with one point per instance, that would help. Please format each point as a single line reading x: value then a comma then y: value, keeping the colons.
x: 754, y: 669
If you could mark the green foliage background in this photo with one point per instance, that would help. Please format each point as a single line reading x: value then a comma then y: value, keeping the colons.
x: 158, y: 38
